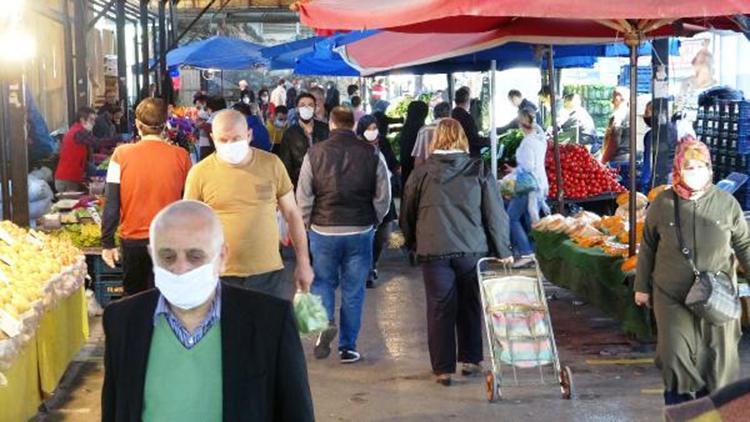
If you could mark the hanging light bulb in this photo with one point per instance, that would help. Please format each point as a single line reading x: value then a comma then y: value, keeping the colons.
x: 16, y: 45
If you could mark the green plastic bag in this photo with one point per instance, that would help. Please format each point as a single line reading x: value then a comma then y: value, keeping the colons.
x: 310, y: 313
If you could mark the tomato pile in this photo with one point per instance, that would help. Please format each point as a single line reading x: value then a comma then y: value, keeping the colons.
x: 583, y: 175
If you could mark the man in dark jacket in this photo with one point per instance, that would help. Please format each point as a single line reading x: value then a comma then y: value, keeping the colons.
x: 344, y: 192
x: 516, y: 98
x: 299, y: 137
x: 198, y: 350
x: 461, y: 113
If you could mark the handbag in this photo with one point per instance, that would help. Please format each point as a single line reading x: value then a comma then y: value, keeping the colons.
x: 713, y: 295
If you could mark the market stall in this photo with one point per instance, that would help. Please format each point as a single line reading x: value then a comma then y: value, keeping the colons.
x: 43, y: 316
x: 588, y: 254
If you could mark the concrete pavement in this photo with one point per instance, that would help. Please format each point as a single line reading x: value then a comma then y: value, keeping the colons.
x: 393, y: 382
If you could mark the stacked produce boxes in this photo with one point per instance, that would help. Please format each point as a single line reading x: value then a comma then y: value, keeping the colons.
x: 725, y: 128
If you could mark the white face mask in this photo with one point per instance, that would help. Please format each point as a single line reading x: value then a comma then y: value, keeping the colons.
x: 306, y: 113
x: 203, y: 114
x: 371, y: 135
x: 696, y: 179
x: 88, y: 126
x: 190, y: 290
x: 234, y: 152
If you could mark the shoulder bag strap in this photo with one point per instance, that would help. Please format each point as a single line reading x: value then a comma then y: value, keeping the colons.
x: 678, y: 229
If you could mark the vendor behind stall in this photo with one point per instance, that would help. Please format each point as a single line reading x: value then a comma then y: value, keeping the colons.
x: 74, y: 151
x: 576, y: 122
x: 617, y: 138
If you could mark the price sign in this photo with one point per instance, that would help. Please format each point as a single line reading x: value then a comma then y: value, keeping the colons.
x: 95, y: 215
x: 9, y: 325
x: 34, y: 241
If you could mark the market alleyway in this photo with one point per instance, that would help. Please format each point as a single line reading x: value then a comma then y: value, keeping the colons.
x: 394, y: 383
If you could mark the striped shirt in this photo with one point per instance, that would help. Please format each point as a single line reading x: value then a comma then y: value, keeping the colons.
x: 187, y: 339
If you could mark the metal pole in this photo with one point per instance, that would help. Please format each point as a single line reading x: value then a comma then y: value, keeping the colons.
x: 4, y: 141
x: 70, y: 77
x: 172, y: 24
x: 493, y: 122
x: 15, y: 150
x: 451, y: 88
x: 660, y: 124
x: 122, y: 65
x: 162, y: 50
x: 144, y: 45
x: 137, y: 78
x: 82, y: 83
x: 633, y: 44
x: 555, y: 135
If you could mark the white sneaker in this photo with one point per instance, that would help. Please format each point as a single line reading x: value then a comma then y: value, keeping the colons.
x: 524, y: 262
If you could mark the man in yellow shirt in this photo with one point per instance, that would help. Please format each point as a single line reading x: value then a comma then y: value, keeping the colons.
x: 245, y: 186
x: 277, y: 126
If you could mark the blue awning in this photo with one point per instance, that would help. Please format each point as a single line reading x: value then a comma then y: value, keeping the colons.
x: 218, y: 52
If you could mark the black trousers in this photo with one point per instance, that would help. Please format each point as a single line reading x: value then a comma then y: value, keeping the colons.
x: 454, y: 312
x: 137, y: 267
x: 382, y: 235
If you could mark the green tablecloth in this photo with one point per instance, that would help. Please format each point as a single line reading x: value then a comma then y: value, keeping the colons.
x: 595, y: 276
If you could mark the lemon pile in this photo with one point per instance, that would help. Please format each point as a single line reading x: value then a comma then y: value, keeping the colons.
x: 28, y: 265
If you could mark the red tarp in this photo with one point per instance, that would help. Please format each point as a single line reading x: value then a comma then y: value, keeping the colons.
x: 482, y: 15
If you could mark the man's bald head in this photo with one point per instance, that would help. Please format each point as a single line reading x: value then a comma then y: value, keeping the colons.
x: 185, y: 236
x: 229, y: 126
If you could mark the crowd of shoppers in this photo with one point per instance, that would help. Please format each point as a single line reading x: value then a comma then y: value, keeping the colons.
x: 327, y: 172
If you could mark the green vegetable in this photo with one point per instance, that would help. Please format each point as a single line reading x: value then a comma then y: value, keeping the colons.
x: 310, y: 314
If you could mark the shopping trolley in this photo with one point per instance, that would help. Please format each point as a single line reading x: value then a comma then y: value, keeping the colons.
x: 519, y: 328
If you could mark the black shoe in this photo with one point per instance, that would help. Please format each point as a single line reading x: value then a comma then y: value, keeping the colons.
x: 370, y: 284
x: 375, y: 274
x: 349, y: 356
x: 323, y: 344
x: 444, y: 379
x: 471, y: 370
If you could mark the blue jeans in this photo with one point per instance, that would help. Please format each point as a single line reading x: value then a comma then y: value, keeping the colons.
x: 518, y: 210
x: 343, y: 261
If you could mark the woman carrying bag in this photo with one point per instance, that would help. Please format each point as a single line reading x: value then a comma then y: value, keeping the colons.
x: 682, y: 248
x: 452, y: 214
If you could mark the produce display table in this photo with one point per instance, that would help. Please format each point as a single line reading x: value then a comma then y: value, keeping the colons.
x: 604, y: 204
x: 594, y: 276
x: 38, y: 368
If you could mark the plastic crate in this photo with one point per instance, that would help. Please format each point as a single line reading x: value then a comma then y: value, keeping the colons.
x: 107, y: 290
x: 101, y: 268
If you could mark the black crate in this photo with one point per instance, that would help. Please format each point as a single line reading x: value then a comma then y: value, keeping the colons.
x: 108, y: 289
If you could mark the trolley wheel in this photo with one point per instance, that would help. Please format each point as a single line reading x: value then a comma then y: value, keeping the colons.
x: 493, y: 389
x: 566, y: 384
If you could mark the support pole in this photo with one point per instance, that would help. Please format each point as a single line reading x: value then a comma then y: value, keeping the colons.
x: 633, y: 43
x: 136, y: 78
x: 122, y: 65
x: 451, y: 88
x: 493, y: 121
x: 560, y: 199
x: 144, y: 46
x: 15, y: 158
x: 662, y: 151
x: 81, y: 68
x: 163, y: 50
x: 70, y: 77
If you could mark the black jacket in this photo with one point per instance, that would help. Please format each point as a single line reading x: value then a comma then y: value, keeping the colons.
x: 345, y: 180
x: 294, y: 146
x: 451, y: 207
x: 263, y: 364
x: 476, y: 142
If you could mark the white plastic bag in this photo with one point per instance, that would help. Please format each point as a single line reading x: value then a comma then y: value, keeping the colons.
x: 284, y: 238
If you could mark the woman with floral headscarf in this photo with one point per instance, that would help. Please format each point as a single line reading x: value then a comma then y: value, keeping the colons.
x: 695, y: 356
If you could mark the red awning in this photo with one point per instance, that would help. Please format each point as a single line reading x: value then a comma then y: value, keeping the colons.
x: 461, y: 16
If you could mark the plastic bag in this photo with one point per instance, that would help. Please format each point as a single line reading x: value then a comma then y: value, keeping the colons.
x: 310, y: 314
x: 525, y: 182
x: 284, y: 237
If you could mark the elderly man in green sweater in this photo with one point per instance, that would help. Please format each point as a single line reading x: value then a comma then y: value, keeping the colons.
x: 195, y: 349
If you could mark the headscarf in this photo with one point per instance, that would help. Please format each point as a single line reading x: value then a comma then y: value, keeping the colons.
x: 688, y: 149
x: 365, y: 122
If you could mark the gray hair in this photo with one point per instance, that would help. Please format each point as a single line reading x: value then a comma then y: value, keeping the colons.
x: 196, y: 212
